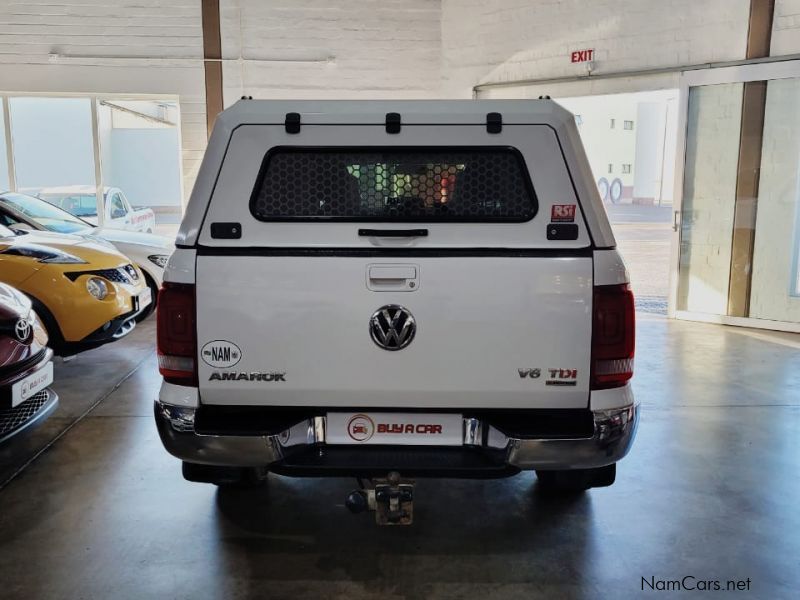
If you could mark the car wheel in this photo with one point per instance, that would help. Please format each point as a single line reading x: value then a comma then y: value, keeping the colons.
x: 576, y: 480
x: 154, y: 295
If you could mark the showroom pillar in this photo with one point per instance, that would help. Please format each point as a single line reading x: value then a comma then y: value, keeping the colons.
x: 212, y: 61
x: 750, y: 141
x: 9, y: 157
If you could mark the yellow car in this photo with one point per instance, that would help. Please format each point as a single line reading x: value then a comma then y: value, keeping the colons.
x: 86, y: 293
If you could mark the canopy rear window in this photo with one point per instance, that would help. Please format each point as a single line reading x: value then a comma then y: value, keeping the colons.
x: 393, y: 184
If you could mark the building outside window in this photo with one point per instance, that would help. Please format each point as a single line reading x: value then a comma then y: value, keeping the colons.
x: 628, y: 125
x: 626, y: 168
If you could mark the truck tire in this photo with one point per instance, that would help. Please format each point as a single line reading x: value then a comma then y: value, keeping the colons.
x: 240, y: 478
x: 576, y: 480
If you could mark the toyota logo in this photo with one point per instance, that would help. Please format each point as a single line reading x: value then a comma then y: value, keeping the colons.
x: 392, y: 327
x: 22, y: 330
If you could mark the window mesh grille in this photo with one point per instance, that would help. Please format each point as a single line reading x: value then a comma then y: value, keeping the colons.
x: 394, y: 185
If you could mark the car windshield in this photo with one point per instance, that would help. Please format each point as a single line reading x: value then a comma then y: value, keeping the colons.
x: 80, y: 205
x: 45, y: 214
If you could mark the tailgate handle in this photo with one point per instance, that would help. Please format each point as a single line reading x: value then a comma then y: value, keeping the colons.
x: 393, y: 278
x: 399, y: 273
x: 393, y: 232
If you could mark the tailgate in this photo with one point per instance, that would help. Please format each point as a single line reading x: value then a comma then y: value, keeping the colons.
x: 491, y: 330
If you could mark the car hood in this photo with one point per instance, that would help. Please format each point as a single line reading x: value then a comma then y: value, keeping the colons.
x: 95, y: 252
x: 121, y: 236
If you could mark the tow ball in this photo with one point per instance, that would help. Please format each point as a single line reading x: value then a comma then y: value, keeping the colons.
x: 392, y: 499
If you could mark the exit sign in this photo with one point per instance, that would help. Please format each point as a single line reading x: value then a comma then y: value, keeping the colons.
x: 579, y: 56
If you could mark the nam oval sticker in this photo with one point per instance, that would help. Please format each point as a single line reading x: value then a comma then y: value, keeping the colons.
x: 221, y: 354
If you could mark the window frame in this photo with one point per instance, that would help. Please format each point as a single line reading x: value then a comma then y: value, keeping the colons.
x: 411, y: 150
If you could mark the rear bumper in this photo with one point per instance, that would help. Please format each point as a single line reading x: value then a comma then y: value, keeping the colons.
x: 301, y: 449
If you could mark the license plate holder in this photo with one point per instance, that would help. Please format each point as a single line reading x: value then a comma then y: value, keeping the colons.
x: 143, y: 300
x: 404, y: 429
x: 35, y: 382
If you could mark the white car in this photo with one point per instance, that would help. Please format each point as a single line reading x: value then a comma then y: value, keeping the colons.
x: 81, y: 201
x: 391, y: 290
x: 150, y: 252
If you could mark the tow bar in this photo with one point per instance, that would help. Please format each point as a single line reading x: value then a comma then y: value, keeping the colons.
x: 392, y: 499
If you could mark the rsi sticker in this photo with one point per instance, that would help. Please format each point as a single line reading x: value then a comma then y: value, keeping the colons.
x: 221, y: 354
x: 562, y: 213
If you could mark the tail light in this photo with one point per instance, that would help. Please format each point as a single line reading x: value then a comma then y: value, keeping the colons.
x: 613, y: 336
x: 177, y: 334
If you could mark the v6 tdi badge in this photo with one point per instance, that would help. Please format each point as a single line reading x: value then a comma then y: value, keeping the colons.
x: 221, y: 354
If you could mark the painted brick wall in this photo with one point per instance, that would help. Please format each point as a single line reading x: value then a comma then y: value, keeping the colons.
x: 110, y: 46
x: 323, y: 49
x: 786, y: 28
x: 499, y: 40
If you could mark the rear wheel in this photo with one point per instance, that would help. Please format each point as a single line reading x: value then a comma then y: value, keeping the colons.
x: 241, y: 478
x: 576, y: 480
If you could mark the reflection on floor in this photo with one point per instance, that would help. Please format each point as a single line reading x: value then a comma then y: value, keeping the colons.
x: 710, y: 490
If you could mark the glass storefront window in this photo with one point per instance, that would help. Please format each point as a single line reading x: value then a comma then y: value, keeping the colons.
x: 52, y: 145
x: 140, y: 160
x: 136, y: 148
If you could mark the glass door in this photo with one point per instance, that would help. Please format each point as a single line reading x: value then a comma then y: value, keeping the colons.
x: 736, y: 240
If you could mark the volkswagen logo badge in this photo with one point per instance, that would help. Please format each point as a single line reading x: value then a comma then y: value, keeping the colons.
x: 22, y: 330
x: 392, y: 327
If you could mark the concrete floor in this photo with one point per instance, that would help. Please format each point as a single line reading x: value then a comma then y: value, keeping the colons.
x: 710, y: 489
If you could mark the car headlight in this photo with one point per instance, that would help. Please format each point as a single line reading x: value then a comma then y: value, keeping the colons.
x: 97, y: 287
x: 160, y: 260
x: 63, y: 258
x: 46, y: 255
x: 133, y: 274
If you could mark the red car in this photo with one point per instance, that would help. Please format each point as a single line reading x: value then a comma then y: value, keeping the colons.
x: 26, y: 367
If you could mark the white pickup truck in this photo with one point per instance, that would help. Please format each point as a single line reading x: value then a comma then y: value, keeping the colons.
x: 394, y: 290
